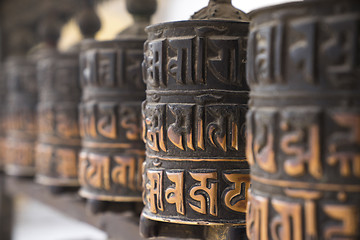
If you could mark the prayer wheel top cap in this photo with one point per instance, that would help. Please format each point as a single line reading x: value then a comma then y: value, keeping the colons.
x: 141, y: 11
x: 88, y: 22
x: 220, y: 10
x: 49, y: 30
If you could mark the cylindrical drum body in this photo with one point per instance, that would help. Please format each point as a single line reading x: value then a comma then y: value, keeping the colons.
x: 59, y: 141
x: 110, y: 120
x: 2, y: 116
x: 194, y: 123
x: 21, y: 116
x: 303, y: 126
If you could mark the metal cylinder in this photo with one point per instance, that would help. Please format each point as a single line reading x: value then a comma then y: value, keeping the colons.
x: 303, y: 126
x: 21, y: 116
x: 59, y: 141
x: 110, y: 116
x: 110, y: 119
x: 2, y: 116
x: 195, y: 171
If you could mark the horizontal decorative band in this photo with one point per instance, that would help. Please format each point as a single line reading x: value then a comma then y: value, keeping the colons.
x: 195, y: 92
x: 192, y: 222
x: 49, y: 181
x: 59, y: 141
x: 306, y: 185
x: 198, y: 159
x: 106, y: 145
x: 85, y: 194
x: 301, y: 94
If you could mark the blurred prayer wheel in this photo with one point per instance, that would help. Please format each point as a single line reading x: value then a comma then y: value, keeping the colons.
x: 110, y: 115
x: 59, y: 141
x: 21, y: 116
x: 303, y: 126
x: 2, y: 116
x: 58, y: 132
x: 195, y: 171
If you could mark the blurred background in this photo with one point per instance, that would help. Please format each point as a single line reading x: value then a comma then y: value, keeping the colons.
x: 35, y: 221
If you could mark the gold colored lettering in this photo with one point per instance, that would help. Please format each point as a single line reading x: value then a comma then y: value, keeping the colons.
x: 67, y: 162
x: 257, y: 217
x: 97, y: 173
x: 129, y: 121
x: 289, y: 220
x: 262, y: 140
x: 155, y: 121
x: 349, y: 216
x: 235, y: 196
x: 310, y: 210
x: 155, y: 188
x: 107, y: 124
x: 208, y: 186
x: 295, y: 166
x: 349, y: 160
x: 124, y: 173
x: 174, y: 194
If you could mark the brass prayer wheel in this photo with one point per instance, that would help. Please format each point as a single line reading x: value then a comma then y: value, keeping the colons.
x: 58, y: 132
x: 21, y: 116
x: 110, y: 115
x: 195, y: 171
x: 303, y: 126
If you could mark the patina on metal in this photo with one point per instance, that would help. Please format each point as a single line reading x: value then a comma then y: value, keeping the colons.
x: 303, y: 141
x: 21, y: 116
x: 195, y: 171
x: 112, y: 152
x: 20, y: 75
x: 59, y: 140
x: 58, y: 132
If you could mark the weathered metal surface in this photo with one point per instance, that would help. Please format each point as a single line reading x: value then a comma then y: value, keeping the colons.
x: 21, y: 116
x: 112, y: 152
x: 303, y: 126
x: 194, y: 123
x: 59, y: 141
x: 110, y: 112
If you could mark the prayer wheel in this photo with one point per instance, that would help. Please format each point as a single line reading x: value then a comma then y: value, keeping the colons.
x: 195, y: 173
x: 2, y: 116
x: 110, y: 116
x: 59, y: 141
x: 21, y: 116
x: 22, y: 96
x: 303, y: 125
x: 58, y: 132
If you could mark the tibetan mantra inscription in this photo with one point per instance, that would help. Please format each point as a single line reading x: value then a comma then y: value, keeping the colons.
x: 58, y: 131
x: 303, y: 126
x: 110, y: 120
x: 21, y: 116
x: 194, y: 123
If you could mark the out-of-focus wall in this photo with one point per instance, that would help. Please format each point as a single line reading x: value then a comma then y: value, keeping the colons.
x: 114, y: 17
